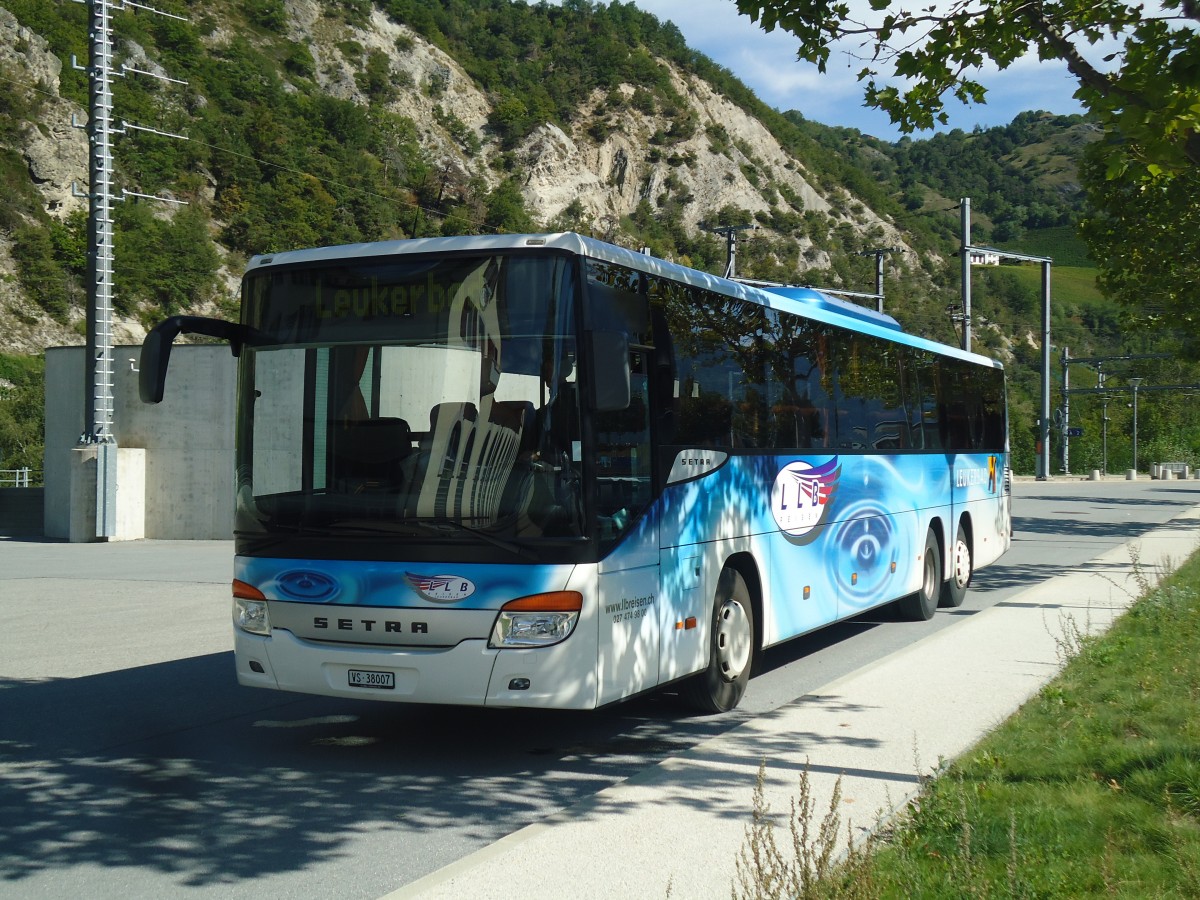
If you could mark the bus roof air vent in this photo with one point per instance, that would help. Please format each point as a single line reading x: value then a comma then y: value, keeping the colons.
x: 821, y: 300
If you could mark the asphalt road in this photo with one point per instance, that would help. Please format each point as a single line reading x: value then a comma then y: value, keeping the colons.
x: 132, y: 765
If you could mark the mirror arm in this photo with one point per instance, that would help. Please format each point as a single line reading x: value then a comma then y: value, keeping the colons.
x: 156, y: 348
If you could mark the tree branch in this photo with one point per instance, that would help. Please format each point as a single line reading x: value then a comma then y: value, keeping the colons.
x: 1087, y: 74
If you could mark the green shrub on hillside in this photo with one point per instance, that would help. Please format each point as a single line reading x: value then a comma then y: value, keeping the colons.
x: 22, y: 414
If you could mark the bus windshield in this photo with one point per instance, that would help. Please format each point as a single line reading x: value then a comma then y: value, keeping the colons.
x: 433, y: 398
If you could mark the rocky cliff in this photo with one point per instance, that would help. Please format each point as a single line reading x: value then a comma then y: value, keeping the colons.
x: 618, y: 152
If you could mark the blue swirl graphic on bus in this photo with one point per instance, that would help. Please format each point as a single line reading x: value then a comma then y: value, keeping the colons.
x: 865, y: 552
x: 313, y: 587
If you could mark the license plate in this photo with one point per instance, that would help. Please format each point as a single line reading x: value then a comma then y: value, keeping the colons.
x: 363, y: 679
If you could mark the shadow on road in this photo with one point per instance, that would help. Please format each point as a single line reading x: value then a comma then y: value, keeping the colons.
x: 173, y: 768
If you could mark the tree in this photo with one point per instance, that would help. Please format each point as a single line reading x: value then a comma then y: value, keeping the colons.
x: 506, y: 209
x: 1143, y: 179
x: 1151, y: 96
x: 1154, y: 270
x: 22, y: 414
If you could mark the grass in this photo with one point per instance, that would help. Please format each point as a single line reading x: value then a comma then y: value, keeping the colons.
x: 1060, y: 243
x: 1068, y: 284
x: 1091, y: 789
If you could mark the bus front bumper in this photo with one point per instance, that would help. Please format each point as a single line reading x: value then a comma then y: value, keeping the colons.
x: 470, y: 674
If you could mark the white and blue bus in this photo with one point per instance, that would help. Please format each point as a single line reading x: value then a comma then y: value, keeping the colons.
x: 546, y: 471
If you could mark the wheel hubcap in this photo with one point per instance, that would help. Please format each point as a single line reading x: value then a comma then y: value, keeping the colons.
x: 733, y: 640
x: 962, y: 564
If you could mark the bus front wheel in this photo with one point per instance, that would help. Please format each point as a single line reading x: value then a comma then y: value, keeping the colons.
x: 720, y: 687
x: 954, y: 591
x: 921, y: 606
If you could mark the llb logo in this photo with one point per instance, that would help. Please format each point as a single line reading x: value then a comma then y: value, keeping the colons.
x: 801, y: 495
x: 440, y: 588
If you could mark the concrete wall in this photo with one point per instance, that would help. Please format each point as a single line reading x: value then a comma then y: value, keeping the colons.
x: 21, y: 511
x: 186, y: 491
x: 64, y: 425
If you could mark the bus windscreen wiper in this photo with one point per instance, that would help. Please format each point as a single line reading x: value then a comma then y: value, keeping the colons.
x: 428, y: 526
x: 515, y: 549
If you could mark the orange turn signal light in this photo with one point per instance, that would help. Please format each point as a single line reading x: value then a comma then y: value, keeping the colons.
x: 553, y: 601
x: 247, y: 591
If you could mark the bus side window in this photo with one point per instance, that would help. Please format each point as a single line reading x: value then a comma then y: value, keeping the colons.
x: 926, y: 416
x: 624, y: 462
x: 995, y: 427
x: 616, y: 302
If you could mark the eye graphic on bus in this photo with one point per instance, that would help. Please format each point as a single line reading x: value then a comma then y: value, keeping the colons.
x: 440, y: 588
x: 311, y: 586
x: 801, y: 495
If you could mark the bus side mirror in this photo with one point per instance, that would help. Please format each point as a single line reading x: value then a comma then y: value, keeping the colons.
x: 610, y: 371
x: 156, y: 349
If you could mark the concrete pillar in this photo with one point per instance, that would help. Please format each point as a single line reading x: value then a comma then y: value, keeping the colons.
x: 131, y: 494
x: 1131, y: 475
x: 82, y: 516
x: 1095, y: 475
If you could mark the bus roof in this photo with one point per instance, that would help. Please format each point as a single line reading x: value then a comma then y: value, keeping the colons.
x: 803, y: 301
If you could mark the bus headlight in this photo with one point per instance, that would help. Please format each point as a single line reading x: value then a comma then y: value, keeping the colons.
x: 537, y: 621
x: 250, y: 609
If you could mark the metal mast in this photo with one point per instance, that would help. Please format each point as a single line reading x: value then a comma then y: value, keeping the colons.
x: 729, y: 232
x: 965, y: 221
x: 98, y: 367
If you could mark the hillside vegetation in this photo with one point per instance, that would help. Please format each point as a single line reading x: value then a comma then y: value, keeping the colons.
x: 313, y: 123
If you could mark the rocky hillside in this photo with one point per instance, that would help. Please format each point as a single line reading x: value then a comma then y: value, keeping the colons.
x: 680, y: 150
x: 317, y: 122
x: 43, y: 156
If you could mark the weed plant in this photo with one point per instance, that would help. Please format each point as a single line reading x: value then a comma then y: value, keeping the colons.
x: 1091, y: 789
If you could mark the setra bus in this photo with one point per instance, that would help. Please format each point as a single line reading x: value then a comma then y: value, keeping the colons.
x: 545, y: 471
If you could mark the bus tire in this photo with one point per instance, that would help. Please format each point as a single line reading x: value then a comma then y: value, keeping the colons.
x: 954, y: 591
x: 921, y: 606
x: 720, y: 687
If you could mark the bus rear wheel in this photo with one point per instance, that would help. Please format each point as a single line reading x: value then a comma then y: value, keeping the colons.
x: 954, y: 591
x: 921, y: 606
x: 720, y: 687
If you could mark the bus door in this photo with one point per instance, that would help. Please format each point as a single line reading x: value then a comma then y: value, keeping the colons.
x: 629, y: 574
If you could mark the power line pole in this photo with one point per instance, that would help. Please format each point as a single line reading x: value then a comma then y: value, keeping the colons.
x: 98, y: 365
x: 1066, y: 410
x: 965, y: 219
x: 1103, y: 416
x: 730, y: 234
x: 879, y: 253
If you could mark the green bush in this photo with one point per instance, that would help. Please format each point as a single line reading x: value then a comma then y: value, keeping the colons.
x: 269, y: 14
x: 22, y: 411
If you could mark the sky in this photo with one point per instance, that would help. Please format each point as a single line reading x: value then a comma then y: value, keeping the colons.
x: 767, y: 64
